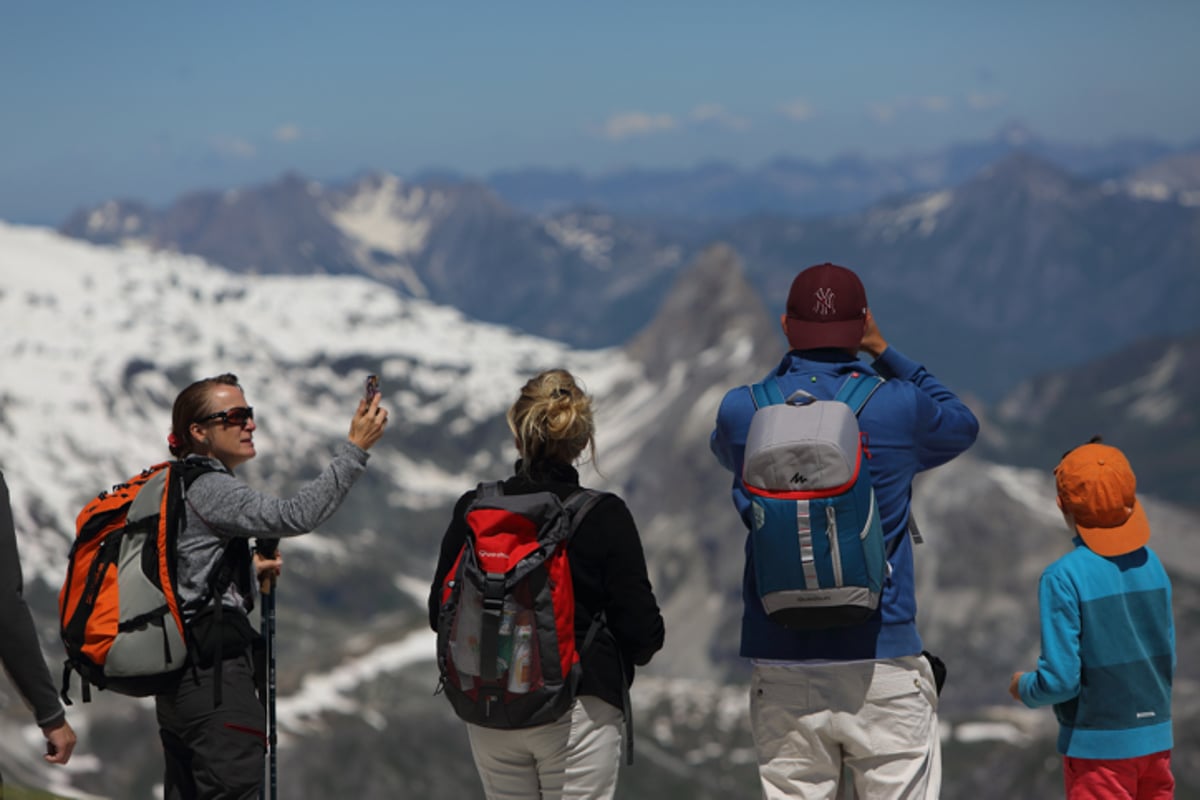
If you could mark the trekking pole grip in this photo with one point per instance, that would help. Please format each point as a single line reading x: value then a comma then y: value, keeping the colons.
x: 266, y: 548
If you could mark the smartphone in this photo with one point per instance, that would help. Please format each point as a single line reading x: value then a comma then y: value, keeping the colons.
x: 371, y: 387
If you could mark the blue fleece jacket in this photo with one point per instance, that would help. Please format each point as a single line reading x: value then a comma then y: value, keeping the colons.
x: 1108, y: 654
x: 913, y: 423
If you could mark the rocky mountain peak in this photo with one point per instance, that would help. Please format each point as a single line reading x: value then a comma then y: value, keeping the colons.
x: 714, y: 305
x: 1022, y: 175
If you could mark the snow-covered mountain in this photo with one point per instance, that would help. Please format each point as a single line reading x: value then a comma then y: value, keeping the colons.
x: 1030, y: 266
x: 579, y: 276
x: 100, y: 339
x: 1175, y: 179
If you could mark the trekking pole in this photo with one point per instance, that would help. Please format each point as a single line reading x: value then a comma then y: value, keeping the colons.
x: 268, y: 549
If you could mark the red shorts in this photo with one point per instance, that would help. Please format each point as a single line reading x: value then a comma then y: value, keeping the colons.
x: 1143, y: 778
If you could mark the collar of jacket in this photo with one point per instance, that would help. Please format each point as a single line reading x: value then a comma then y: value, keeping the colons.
x: 823, y: 356
x: 831, y: 355
x: 547, y: 472
x: 208, y: 461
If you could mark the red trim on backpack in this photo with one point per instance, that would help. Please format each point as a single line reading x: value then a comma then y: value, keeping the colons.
x: 562, y: 594
x: 811, y: 494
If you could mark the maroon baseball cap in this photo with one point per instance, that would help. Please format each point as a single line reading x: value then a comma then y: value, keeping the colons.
x: 827, y: 307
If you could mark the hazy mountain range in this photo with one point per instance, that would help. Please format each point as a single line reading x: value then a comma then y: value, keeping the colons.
x: 796, y: 186
x: 1020, y: 269
x: 1017, y: 268
x: 101, y: 339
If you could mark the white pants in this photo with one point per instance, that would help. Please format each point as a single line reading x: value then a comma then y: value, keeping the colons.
x: 573, y: 758
x: 873, y: 721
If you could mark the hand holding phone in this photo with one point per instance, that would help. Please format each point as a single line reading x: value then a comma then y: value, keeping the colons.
x: 370, y: 419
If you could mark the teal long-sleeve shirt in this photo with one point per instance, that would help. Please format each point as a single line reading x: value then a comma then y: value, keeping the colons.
x: 1108, y: 653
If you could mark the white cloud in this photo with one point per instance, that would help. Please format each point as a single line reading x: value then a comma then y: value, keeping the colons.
x: 797, y: 110
x: 234, y: 146
x: 637, y: 123
x: 984, y: 101
x: 287, y: 133
x: 714, y: 113
x: 882, y: 112
x: 887, y: 111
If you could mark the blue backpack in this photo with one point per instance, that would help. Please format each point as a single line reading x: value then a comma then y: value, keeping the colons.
x: 816, y: 538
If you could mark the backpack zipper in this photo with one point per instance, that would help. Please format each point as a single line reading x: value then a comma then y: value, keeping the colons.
x: 870, y: 517
x: 887, y: 562
x: 835, y: 550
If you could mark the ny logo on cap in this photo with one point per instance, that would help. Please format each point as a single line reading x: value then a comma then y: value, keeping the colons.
x: 824, y: 306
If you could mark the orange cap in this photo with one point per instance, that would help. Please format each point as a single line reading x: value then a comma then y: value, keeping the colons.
x: 1097, y: 487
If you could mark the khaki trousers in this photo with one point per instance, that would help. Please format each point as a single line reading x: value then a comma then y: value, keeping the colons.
x: 839, y: 730
x: 573, y: 758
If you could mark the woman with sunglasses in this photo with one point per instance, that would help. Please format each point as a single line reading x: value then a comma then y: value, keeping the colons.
x: 211, y: 720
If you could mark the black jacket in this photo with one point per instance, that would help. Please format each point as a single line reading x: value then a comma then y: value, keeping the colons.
x: 608, y: 570
x: 20, y: 651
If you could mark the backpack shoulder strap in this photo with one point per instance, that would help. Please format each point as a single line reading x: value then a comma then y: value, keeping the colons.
x: 767, y: 393
x: 579, y: 504
x: 189, y: 469
x: 857, y: 389
x: 489, y: 489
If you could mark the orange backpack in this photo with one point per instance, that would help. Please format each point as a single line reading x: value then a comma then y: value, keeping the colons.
x: 119, y: 605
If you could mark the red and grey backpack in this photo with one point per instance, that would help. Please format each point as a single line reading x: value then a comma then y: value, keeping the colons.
x: 506, y: 629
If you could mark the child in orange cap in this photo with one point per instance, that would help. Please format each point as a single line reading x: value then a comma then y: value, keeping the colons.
x: 1108, y: 638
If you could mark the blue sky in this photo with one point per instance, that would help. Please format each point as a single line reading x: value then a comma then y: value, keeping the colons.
x: 148, y: 100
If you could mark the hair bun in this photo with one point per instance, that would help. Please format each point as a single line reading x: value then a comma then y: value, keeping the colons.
x: 552, y: 418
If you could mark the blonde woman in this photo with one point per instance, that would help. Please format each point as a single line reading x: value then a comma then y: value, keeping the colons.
x: 578, y: 754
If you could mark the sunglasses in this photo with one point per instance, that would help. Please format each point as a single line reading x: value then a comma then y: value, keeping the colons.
x: 234, y: 416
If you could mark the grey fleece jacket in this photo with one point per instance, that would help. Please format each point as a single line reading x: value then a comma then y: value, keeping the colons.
x: 219, y: 506
x: 20, y: 651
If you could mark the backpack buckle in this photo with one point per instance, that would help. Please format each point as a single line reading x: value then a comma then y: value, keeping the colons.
x: 800, y: 398
x: 493, y: 595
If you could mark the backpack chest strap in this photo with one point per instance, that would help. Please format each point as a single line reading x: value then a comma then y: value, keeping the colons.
x: 489, y: 634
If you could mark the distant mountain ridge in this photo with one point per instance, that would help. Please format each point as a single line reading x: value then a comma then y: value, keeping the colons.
x: 583, y: 277
x: 796, y: 186
x: 1172, y: 179
x: 1020, y: 268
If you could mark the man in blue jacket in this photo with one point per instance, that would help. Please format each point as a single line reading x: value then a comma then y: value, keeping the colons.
x: 861, y: 699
